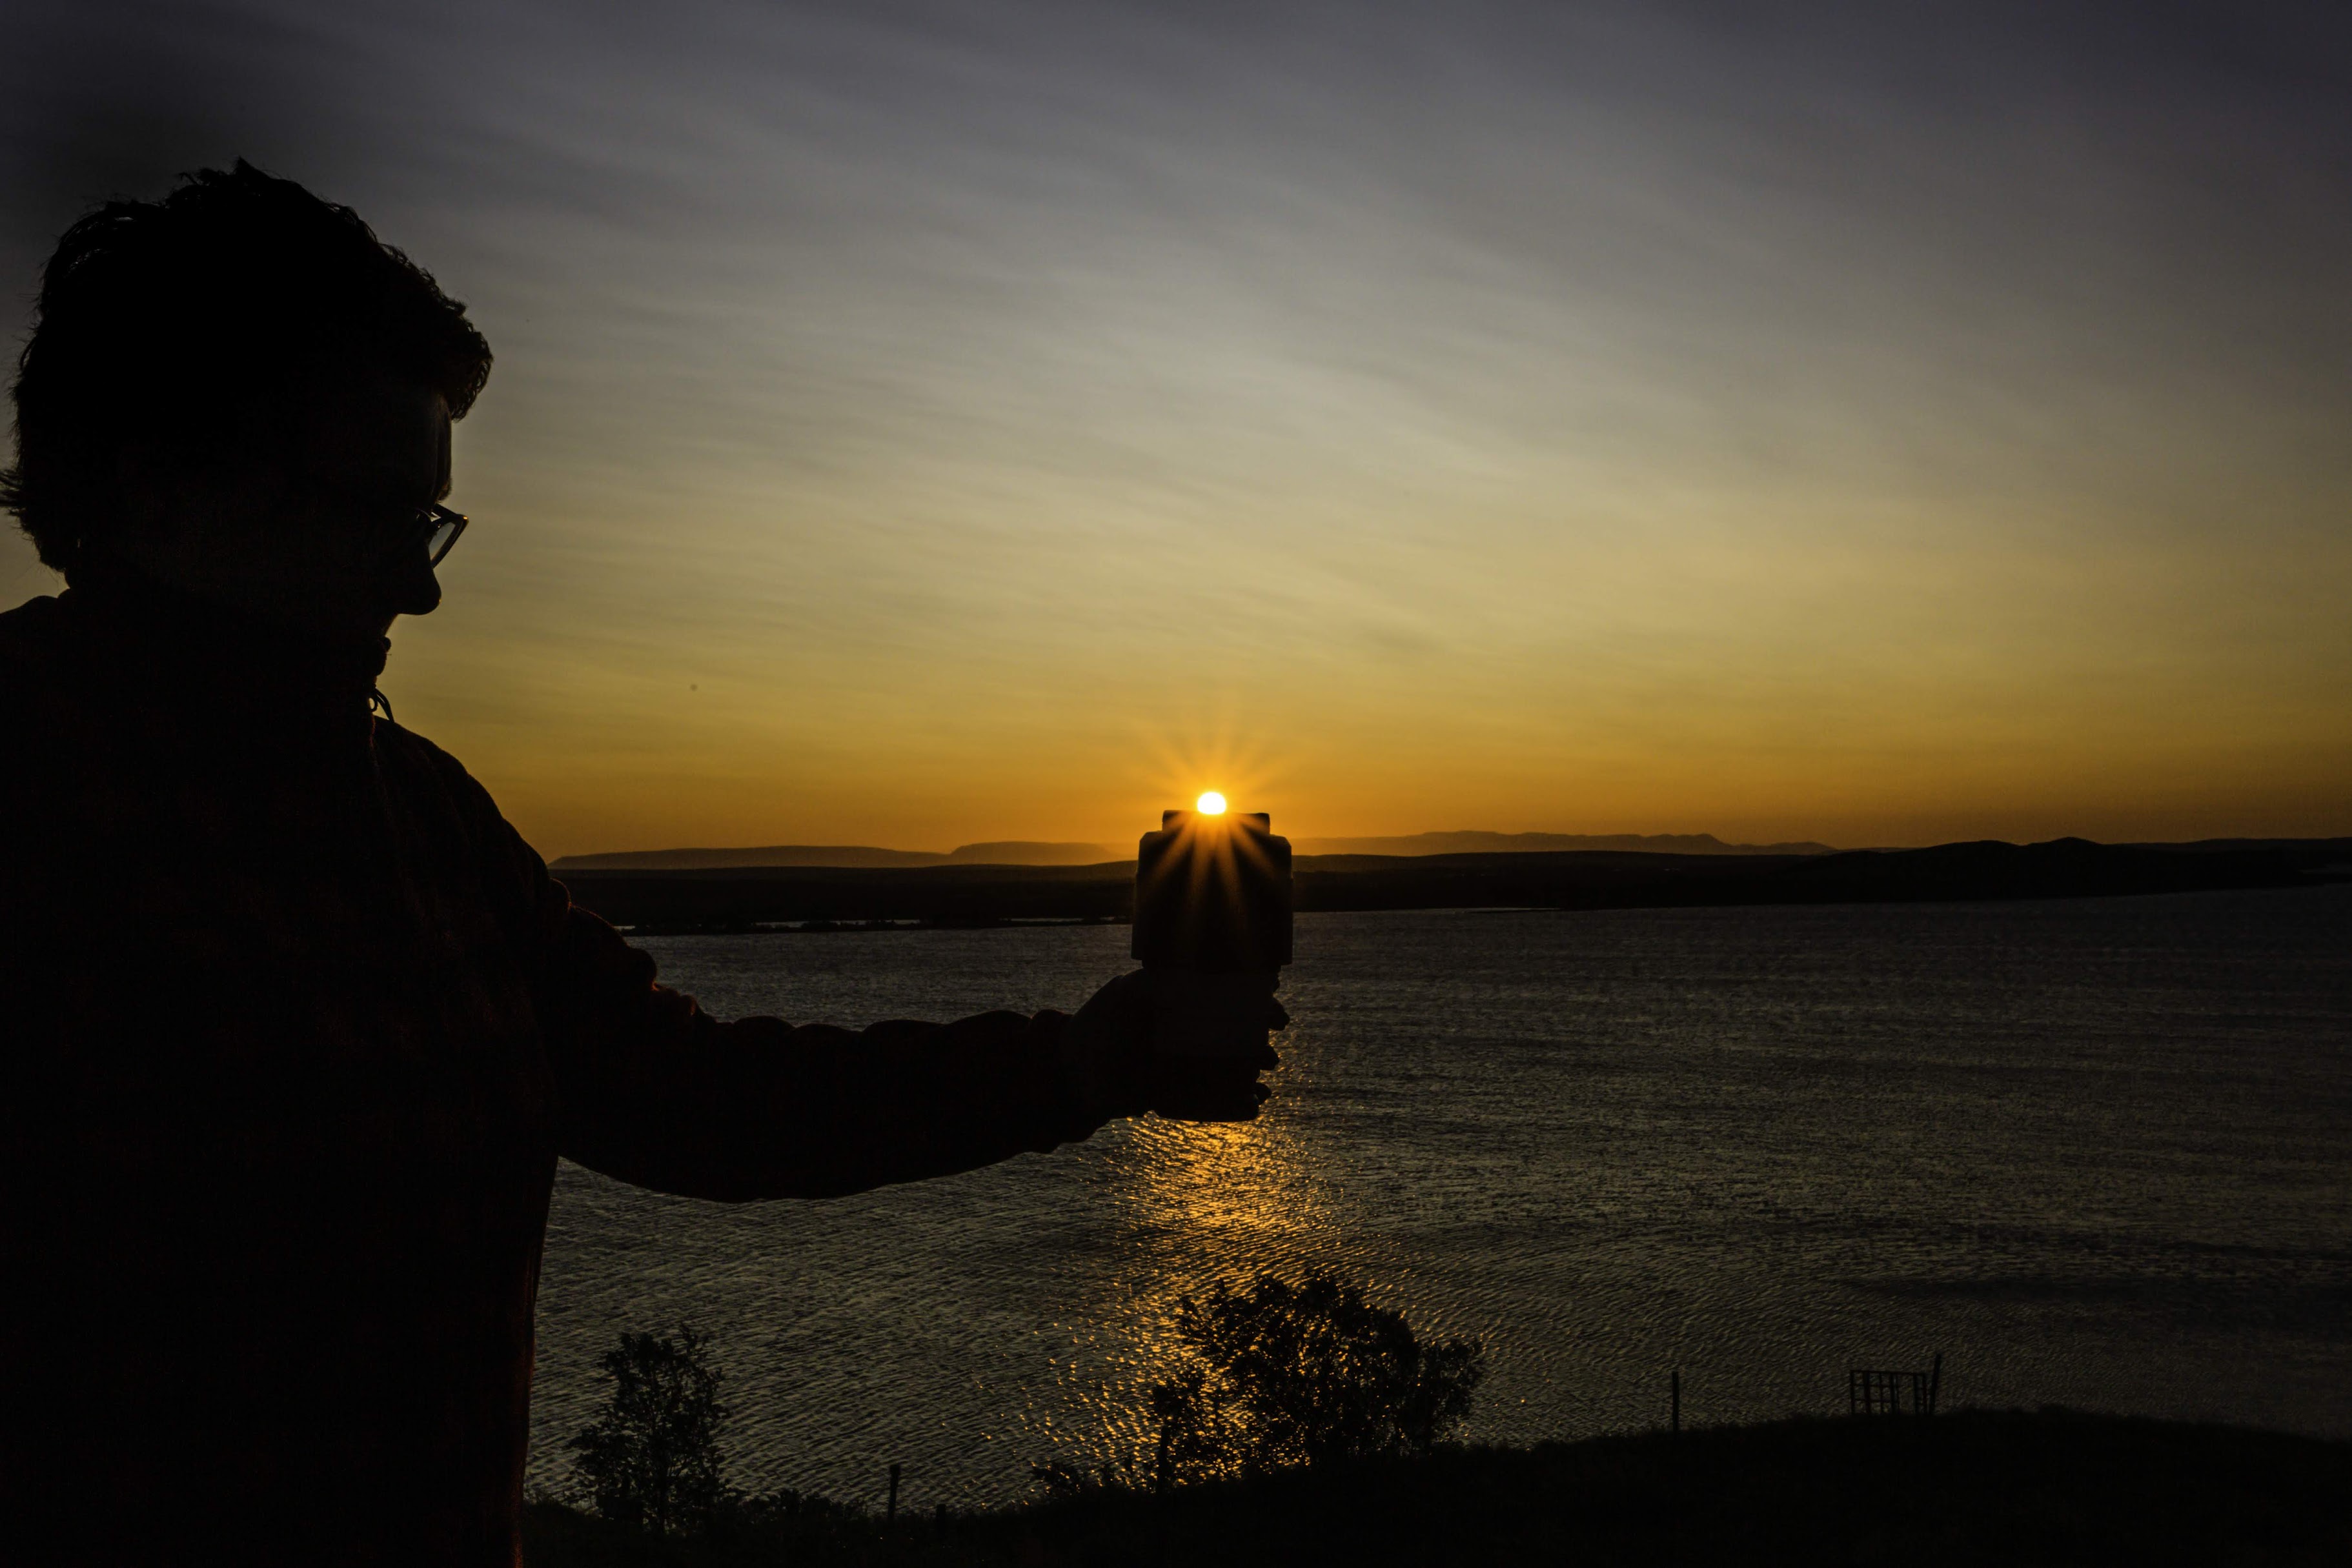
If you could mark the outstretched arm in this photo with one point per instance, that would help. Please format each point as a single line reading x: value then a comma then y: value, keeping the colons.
x: 653, y: 1091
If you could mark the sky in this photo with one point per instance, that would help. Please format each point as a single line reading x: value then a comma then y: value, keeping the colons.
x: 922, y: 423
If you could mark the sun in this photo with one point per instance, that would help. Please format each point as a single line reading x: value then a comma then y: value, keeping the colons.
x: 1211, y: 804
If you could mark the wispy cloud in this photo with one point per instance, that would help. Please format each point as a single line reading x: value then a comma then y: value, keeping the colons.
x: 1588, y: 393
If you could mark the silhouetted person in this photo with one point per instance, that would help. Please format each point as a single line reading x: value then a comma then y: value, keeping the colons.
x: 296, y: 1026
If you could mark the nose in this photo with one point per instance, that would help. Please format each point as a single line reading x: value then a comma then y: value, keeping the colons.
x: 415, y: 590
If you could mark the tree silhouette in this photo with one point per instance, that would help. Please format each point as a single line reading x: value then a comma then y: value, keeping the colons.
x: 651, y: 1458
x: 1291, y: 1374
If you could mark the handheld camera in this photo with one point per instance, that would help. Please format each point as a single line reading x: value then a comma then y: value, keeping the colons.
x: 1213, y: 930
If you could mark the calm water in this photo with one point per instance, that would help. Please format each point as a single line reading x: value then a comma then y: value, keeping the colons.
x: 2098, y: 1153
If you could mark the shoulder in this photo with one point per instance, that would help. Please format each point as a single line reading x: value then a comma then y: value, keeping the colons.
x: 423, y: 765
x: 411, y: 750
x: 454, y: 805
x: 32, y: 618
x: 438, y: 784
x: 29, y: 634
x: 31, y: 656
x: 47, y: 728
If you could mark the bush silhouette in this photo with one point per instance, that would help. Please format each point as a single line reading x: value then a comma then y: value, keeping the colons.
x: 1291, y: 1374
x: 651, y: 1458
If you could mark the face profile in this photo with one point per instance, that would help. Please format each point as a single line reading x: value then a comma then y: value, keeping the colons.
x: 239, y: 393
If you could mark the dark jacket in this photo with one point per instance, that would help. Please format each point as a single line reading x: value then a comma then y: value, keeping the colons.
x: 293, y: 1027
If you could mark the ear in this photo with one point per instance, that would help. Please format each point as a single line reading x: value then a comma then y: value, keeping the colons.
x: 146, y: 488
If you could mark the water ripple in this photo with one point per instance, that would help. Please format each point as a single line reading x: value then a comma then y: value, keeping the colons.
x: 2095, y: 1152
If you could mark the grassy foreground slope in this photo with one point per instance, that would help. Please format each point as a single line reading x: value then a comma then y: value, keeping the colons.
x: 1971, y: 1488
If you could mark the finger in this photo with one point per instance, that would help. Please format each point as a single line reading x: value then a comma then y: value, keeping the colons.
x: 1203, y: 1079
x: 1232, y: 1074
x: 1220, y: 1096
x: 1243, y: 1061
x: 1244, y: 1107
x: 1237, y: 1109
x: 1276, y: 1015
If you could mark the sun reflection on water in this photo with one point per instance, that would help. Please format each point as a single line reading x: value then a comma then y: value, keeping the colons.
x: 1198, y: 1204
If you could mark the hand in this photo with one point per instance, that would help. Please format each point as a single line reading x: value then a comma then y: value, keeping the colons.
x: 1188, y: 1047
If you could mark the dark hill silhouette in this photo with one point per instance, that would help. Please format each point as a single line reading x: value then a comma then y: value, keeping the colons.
x: 1466, y: 842
x: 1027, y: 851
x: 1004, y: 851
x: 741, y: 897
x: 1031, y: 851
x: 764, y: 855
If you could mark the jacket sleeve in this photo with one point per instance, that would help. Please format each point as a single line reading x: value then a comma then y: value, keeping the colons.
x: 653, y: 1091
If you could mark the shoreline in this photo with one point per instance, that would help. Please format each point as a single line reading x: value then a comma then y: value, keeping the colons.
x: 967, y: 897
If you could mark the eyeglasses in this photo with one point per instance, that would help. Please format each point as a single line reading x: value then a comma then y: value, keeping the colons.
x: 436, y: 527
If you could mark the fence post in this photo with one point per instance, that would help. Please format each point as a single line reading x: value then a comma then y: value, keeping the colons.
x: 1159, y: 1476
x: 890, y: 1514
x: 1935, y: 1382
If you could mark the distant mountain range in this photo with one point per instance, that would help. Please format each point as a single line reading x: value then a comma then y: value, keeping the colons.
x: 984, y: 892
x: 1481, y: 843
x: 1004, y: 851
x: 1029, y: 852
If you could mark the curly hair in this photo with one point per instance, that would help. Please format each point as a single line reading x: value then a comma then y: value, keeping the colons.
x: 163, y: 325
